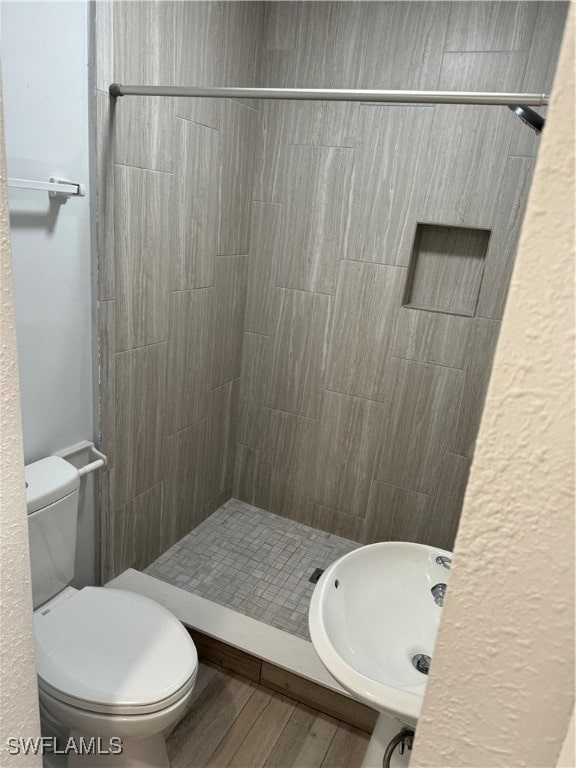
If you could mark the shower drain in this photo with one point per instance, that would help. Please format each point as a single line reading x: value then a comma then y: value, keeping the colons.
x: 316, y: 575
x: 422, y: 662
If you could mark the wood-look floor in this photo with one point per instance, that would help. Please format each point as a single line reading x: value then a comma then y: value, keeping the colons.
x: 233, y: 721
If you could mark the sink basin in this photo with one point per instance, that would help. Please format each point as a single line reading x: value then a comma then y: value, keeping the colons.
x: 371, y: 613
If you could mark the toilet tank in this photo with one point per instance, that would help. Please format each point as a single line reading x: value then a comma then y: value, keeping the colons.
x: 52, y: 491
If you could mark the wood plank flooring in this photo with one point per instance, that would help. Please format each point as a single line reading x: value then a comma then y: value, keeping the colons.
x: 234, y: 721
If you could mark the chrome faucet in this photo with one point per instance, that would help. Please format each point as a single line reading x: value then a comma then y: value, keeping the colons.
x: 439, y: 593
x: 445, y: 562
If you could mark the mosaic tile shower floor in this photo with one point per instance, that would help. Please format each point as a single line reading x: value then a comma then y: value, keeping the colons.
x: 253, y: 562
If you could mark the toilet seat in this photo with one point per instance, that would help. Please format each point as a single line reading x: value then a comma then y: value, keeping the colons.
x: 113, y: 652
x: 99, y: 708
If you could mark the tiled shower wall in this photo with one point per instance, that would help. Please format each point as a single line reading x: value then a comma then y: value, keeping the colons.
x: 367, y: 348
x: 252, y: 263
x: 173, y: 181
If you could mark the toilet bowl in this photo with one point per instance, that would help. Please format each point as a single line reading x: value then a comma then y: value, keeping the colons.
x: 112, y: 663
x: 115, y: 669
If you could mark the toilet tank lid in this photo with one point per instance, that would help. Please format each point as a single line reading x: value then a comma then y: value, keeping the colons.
x: 49, y: 480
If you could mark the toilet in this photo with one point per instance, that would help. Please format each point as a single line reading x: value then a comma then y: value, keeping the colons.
x: 112, y: 665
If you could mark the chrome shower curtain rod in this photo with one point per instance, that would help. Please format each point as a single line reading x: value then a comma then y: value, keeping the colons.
x: 333, y: 94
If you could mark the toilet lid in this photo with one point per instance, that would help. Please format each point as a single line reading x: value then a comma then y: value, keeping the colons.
x: 108, y: 649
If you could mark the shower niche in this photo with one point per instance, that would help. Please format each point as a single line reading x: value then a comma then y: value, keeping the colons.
x: 446, y: 269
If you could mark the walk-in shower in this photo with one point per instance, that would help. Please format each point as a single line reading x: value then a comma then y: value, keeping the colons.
x: 315, y: 209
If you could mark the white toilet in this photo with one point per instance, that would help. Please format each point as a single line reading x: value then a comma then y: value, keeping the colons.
x: 110, y: 663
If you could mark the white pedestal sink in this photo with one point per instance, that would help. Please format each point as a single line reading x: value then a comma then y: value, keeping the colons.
x: 371, y: 613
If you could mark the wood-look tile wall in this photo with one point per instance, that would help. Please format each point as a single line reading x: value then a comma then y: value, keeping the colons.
x: 358, y: 414
x: 252, y: 262
x: 174, y: 209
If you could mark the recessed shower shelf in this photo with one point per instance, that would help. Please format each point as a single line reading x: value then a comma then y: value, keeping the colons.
x: 446, y: 269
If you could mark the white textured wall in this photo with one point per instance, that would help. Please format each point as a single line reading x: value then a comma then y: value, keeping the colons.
x: 18, y: 692
x: 501, y: 686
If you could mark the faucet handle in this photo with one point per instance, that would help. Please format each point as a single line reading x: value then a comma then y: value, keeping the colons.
x: 445, y: 562
x: 439, y: 593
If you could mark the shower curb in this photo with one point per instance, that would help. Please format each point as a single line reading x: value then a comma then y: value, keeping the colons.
x: 270, y: 656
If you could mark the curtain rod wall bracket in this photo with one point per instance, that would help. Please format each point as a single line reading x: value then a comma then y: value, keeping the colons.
x: 334, y: 94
